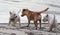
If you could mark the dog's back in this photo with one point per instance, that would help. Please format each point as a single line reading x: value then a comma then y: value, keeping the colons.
x: 32, y: 15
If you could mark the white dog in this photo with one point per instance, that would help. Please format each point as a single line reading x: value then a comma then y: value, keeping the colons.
x: 14, y: 18
x: 52, y: 22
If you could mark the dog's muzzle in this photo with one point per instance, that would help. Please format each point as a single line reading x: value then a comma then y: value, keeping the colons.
x: 12, y: 19
x: 45, y: 20
x: 22, y: 15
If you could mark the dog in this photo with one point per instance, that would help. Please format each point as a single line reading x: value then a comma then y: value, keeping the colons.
x: 14, y: 18
x: 31, y: 15
x: 52, y: 22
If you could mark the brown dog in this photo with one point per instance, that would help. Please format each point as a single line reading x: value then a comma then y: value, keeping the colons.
x: 36, y: 16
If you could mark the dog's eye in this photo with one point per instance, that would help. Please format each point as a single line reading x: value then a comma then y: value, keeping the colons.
x: 14, y: 14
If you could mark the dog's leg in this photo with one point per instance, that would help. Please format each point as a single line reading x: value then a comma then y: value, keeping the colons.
x: 9, y: 22
x: 50, y: 28
x: 28, y: 23
x: 40, y: 23
x: 14, y: 22
x: 36, y: 24
x: 19, y: 24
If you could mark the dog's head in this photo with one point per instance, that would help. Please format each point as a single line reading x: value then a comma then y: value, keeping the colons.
x: 13, y: 15
x: 24, y: 12
x: 45, y: 18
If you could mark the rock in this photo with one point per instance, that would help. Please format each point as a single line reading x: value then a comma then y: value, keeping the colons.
x: 30, y: 33
x: 12, y: 34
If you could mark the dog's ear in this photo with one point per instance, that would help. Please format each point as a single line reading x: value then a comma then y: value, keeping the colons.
x: 24, y: 9
x: 10, y: 12
x: 47, y: 15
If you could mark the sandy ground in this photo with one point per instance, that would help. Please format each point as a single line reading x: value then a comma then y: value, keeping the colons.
x: 23, y: 30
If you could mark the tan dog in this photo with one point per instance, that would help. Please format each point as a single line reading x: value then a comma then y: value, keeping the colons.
x: 36, y: 16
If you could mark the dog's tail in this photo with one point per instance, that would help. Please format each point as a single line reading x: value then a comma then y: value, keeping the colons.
x: 45, y: 10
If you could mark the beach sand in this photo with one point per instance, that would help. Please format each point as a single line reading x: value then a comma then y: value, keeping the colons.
x: 23, y: 30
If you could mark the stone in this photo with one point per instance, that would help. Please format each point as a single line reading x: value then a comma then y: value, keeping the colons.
x: 13, y: 34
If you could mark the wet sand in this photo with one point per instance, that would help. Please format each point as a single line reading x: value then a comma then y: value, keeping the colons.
x: 23, y: 30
